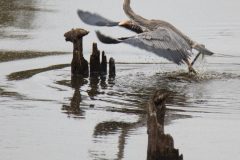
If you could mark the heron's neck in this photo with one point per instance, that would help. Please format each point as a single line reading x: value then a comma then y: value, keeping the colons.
x: 136, y: 18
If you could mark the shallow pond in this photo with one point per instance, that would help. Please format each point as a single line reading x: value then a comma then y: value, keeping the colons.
x: 46, y: 114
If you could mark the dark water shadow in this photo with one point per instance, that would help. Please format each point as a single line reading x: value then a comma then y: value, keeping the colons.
x: 19, y: 15
x: 94, y: 84
x: 5, y: 93
x: 122, y: 129
x: 169, y: 83
x: 136, y: 93
x: 74, y: 108
x: 97, y: 85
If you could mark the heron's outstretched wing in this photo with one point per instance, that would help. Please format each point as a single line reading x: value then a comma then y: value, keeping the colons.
x: 106, y: 39
x: 163, y: 42
x: 95, y: 19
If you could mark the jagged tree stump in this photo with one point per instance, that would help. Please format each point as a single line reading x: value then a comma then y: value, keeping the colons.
x: 79, y: 66
x: 112, y: 68
x: 104, y: 64
x: 160, y: 145
x: 95, y: 66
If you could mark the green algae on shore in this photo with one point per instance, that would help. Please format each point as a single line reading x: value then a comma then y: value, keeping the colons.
x: 17, y: 55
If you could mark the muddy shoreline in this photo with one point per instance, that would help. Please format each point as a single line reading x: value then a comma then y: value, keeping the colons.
x: 6, y: 56
x: 29, y: 73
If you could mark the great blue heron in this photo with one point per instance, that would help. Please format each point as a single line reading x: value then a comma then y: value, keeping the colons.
x: 98, y: 20
x: 161, y: 38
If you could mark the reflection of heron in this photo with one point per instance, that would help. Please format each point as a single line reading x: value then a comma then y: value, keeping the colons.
x: 161, y: 38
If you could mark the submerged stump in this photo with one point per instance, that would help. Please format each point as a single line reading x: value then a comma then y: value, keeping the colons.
x: 160, y: 145
x: 95, y: 66
x: 79, y: 66
x: 112, y: 68
x: 104, y: 64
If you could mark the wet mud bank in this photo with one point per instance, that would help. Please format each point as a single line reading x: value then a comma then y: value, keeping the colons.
x: 29, y: 73
x: 6, y: 56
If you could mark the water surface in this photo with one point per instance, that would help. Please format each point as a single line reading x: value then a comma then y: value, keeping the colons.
x: 46, y: 114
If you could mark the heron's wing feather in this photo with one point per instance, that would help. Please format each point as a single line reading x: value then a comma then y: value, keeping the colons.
x: 106, y: 39
x: 95, y: 19
x: 164, y: 42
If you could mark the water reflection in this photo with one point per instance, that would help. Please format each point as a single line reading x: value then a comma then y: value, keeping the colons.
x: 74, y: 108
x: 16, y: 17
x: 117, y: 112
x: 126, y: 96
x: 123, y: 129
x: 94, y: 87
x: 134, y: 95
x: 105, y: 129
x: 96, y: 83
x: 16, y: 14
x: 174, y: 85
x: 103, y: 83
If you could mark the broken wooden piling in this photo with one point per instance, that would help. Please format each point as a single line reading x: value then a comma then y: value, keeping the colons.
x: 104, y: 64
x: 79, y: 66
x: 112, y: 68
x: 95, y: 60
x: 160, y: 145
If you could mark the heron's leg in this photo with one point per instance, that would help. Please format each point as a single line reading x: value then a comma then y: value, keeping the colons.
x: 195, y: 59
x: 190, y: 68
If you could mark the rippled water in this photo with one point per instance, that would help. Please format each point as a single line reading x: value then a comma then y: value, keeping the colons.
x: 49, y: 115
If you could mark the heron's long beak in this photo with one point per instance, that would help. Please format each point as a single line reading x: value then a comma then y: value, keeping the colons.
x: 123, y: 23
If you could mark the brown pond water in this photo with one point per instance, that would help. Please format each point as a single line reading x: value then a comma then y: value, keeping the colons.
x: 47, y: 115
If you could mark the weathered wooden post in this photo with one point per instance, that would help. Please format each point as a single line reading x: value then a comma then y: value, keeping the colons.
x: 104, y: 64
x: 95, y: 60
x: 112, y: 68
x: 160, y: 145
x: 79, y: 65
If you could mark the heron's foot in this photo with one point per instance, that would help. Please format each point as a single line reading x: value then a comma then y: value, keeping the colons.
x: 191, y: 70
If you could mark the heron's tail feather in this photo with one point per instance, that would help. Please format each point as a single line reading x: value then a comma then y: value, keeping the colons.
x: 202, y: 49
